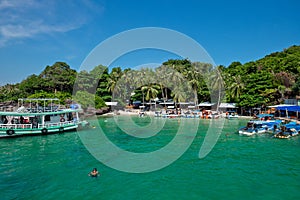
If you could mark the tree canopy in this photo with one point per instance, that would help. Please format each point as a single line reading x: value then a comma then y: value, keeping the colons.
x: 263, y: 82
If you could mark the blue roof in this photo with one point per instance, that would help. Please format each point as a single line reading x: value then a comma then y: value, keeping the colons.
x: 289, y: 108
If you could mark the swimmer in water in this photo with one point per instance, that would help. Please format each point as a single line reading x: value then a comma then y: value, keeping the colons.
x: 94, y: 173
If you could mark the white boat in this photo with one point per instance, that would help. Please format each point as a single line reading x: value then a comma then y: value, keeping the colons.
x: 257, y: 127
x: 252, y: 129
x: 39, y: 120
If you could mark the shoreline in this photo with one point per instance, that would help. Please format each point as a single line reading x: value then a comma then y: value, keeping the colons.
x: 152, y: 113
x: 149, y: 113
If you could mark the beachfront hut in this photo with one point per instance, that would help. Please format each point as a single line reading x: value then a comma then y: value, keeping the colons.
x: 111, y: 105
x: 167, y: 103
x: 186, y: 105
x: 289, y: 109
x: 206, y: 105
x: 228, y: 107
x: 151, y: 104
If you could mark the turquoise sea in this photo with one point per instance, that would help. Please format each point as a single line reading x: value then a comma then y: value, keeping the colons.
x: 56, y: 166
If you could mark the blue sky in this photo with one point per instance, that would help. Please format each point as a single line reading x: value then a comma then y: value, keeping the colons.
x: 34, y: 34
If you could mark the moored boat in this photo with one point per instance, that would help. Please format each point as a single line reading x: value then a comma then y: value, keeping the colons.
x: 39, y: 120
x: 252, y: 128
x: 257, y: 127
x: 288, y: 130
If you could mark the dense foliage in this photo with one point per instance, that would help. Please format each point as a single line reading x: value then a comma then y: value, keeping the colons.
x: 266, y: 81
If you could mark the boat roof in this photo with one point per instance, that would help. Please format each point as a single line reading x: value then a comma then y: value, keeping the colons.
x: 39, y: 113
x: 38, y: 99
x: 265, y: 115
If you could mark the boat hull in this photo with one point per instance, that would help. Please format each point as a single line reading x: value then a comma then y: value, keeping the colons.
x: 4, y: 133
x: 251, y: 132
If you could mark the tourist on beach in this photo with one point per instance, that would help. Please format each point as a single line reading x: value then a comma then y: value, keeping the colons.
x: 94, y: 173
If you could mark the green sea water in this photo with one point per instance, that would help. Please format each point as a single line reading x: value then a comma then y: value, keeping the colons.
x: 56, y: 166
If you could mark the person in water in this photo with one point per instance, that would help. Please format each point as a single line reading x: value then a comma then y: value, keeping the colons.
x: 94, y: 173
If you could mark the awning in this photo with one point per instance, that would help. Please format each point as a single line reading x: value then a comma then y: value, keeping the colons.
x: 206, y: 104
x: 280, y: 105
x: 152, y: 103
x: 191, y: 106
x: 166, y: 103
x: 289, y: 108
x: 227, y: 105
x: 185, y: 103
x: 111, y: 103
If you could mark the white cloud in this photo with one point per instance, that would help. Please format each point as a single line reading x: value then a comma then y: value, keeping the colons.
x: 5, y: 4
x: 21, y: 19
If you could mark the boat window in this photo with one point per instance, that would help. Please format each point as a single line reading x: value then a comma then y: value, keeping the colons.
x: 47, y: 118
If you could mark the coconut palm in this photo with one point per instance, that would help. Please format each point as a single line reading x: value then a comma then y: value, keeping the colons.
x: 113, y: 79
x: 179, y: 94
x: 151, y: 91
x: 193, y: 76
x: 162, y: 74
x: 236, y: 87
x: 216, y: 85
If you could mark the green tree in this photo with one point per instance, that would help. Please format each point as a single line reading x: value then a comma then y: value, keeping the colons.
x: 236, y: 88
x: 86, y: 100
x: 58, y: 77
x: 113, y: 78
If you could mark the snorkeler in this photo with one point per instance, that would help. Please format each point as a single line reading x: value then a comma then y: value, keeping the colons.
x: 94, y: 173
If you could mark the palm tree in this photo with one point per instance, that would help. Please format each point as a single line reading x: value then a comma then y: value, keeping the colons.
x: 193, y: 77
x: 179, y: 94
x: 236, y: 87
x: 113, y: 79
x: 217, y: 84
x: 151, y: 91
x: 162, y: 74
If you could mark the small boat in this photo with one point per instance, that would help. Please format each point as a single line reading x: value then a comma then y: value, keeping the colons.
x: 257, y: 127
x: 252, y: 128
x: 40, y: 120
x: 288, y: 130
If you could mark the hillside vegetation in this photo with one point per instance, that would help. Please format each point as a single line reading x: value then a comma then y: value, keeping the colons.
x: 258, y: 83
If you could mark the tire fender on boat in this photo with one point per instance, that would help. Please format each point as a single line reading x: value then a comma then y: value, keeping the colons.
x: 61, y: 129
x: 44, y: 131
x: 10, y: 132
